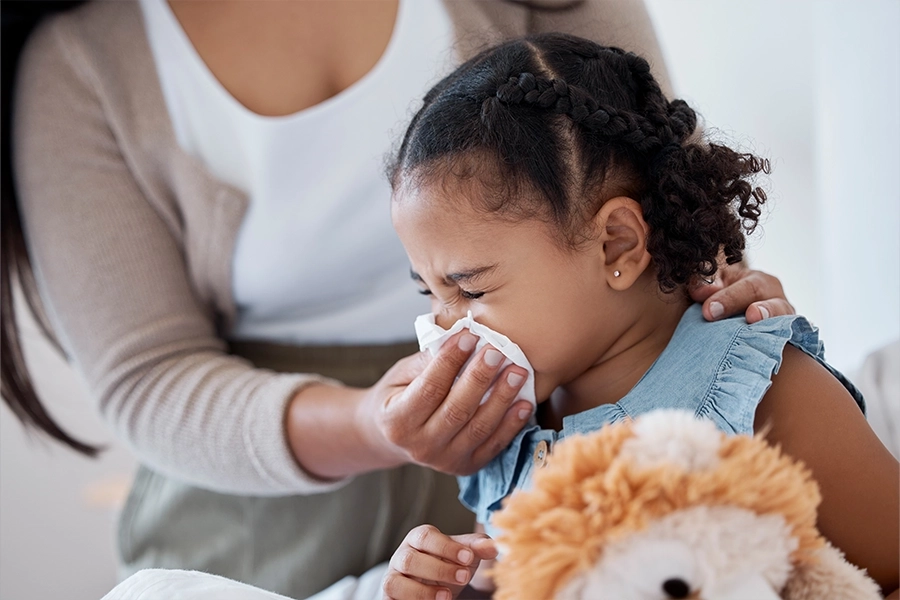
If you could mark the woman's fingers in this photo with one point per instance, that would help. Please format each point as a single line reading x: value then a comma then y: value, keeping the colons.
x: 408, y: 411
x: 464, y: 398
x: 770, y: 308
x: 743, y: 291
x: 513, y: 421
x: 439, y: 420
x: 496, y: 422
x: 463, y: 418
x: 407, y: 369
x: 701, y: 289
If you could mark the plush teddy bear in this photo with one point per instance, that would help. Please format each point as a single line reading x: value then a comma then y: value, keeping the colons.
x: 667, y: 506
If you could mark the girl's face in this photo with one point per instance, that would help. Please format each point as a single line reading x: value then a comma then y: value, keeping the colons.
x: 514, y: 278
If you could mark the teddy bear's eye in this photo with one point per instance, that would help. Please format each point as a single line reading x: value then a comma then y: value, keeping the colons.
x: 676, y: 588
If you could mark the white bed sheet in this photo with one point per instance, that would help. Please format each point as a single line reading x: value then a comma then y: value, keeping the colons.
x: 171, y: 584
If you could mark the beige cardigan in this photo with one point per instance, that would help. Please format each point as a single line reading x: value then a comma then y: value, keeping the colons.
x: 132, y: 239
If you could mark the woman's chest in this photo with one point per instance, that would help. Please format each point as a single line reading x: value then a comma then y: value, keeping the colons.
x: 278, y: 58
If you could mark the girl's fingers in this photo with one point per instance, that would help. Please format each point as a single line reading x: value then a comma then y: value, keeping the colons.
x: 430, y: 564
x: 484, y: 547
x: 397, y: 586
x: 418, y: 564
x: 429, y: 539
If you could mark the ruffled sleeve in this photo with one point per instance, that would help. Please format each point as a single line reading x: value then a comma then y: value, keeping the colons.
x: 753, y: 357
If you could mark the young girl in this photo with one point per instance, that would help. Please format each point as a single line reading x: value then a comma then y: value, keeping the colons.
x: 549, y: 187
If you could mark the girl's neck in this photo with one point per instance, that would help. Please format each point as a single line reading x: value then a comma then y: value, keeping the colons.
x: 620, y: 368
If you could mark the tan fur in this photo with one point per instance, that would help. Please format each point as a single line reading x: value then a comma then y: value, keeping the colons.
x: 586, y: 497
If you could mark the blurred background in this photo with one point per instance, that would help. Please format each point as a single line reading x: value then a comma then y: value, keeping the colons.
x: 814, y: 85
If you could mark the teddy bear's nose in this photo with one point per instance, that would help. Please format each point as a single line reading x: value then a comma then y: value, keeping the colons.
x: 676, y: 588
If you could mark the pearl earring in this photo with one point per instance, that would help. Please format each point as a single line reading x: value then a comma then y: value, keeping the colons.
x: 617, y: 273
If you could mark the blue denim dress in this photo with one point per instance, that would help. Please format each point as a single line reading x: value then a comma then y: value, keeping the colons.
x: 718, y: 371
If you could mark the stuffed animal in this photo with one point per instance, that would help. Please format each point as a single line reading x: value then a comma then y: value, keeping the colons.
x: 666, y: 506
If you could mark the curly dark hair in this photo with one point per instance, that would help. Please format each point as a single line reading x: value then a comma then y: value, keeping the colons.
x: 554, y: 125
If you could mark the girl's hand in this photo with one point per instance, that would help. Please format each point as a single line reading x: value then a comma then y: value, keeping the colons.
x: 431, y: 565
x: 738, y: 289
x: 416, y: 413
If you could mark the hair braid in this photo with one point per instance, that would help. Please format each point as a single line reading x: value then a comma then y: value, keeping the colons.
x: 579, y: 105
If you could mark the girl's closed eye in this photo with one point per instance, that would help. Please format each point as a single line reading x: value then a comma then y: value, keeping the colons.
x: 456, y: 279
x: 463, y: 293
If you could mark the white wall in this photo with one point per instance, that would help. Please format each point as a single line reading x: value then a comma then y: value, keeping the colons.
x: 813, y: 85
x: 857, y: 144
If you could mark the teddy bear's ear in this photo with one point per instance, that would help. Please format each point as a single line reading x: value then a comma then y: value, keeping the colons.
x: 673, y: 437
x: 831, y: 576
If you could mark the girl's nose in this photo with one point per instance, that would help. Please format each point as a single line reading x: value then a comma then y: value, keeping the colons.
x: 446, y: 317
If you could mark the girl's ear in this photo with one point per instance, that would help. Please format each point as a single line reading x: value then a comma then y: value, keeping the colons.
x: 623, y: 238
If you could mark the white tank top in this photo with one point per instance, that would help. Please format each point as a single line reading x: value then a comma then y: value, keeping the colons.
x: 316, y: 259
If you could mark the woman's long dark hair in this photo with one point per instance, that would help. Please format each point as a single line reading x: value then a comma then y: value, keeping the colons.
x: 19, y: 18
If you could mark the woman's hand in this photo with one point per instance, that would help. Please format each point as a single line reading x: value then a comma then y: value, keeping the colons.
x: 420, y: 413
x: 429, y: 564
x: 738, y: 289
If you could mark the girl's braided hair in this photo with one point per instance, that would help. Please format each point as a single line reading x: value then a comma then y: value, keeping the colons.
x: 553, y: 125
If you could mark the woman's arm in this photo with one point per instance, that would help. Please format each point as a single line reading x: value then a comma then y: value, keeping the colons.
x: 810, y: 414
x: 418, y: 412
x: 113, y: 275
x: 622, y: 23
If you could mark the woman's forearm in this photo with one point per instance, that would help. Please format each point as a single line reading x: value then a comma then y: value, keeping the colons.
x: 423, y: 411
x: 327, y: 436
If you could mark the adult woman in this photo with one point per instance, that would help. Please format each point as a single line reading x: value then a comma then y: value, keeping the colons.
x: 157, y: 148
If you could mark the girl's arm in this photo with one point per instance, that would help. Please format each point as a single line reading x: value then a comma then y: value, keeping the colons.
x: 813, y: 418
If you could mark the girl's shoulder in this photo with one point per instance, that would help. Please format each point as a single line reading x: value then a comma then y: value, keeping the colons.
x: 718, y: 370
x: 722, y: 369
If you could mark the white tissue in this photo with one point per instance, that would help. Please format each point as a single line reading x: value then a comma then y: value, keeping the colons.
x: 432, y: 336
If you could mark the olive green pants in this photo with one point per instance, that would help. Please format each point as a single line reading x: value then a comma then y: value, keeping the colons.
x: 296, y: 545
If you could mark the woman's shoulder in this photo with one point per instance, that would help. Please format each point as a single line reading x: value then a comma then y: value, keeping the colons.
x: 92, y: 24
x: 100, y: 42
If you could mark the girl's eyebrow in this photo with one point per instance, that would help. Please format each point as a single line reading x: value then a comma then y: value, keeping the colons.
x: 459, y: 277
x: 469, y: 274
